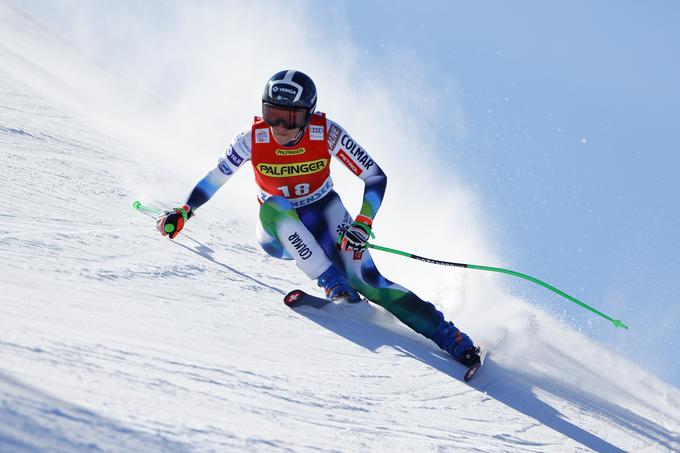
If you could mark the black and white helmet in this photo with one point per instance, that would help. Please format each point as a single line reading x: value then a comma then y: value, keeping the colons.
x: 292, y: 90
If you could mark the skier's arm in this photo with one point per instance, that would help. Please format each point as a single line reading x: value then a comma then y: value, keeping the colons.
x: 374, y: 191
x: 359, y: 162
x: 229, y: 163
x: 172, y: 221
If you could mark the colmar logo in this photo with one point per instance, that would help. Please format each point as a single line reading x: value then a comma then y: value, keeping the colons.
x: 286, y: 170
x: 302, y: 249
x: 355, y: 150
x: 290, y: 152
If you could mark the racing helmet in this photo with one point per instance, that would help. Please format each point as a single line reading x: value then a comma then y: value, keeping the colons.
x: 289, y: 99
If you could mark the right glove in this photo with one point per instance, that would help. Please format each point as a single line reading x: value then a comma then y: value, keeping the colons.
x: 171, y: 222
x: 356, y: 236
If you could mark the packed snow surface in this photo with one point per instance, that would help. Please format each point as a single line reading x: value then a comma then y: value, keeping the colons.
x: 113, y: 338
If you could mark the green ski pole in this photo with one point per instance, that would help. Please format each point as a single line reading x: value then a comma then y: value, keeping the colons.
x: 141, y: 208
x: 147, y: 210
x: 616, y: 322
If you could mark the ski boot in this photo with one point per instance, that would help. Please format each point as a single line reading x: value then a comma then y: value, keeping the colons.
x: 456, y: 343
x: 471, y: 356
x: 337, y: 288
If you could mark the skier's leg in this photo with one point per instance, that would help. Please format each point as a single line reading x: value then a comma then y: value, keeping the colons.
x: 418, y: 314
x: 271, y: 244
x: 282, y: 235
x: 364, y: 276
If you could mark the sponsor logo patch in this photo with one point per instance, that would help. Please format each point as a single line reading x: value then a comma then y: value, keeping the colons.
x: 290, y: 152
x: 234, y: 157
x: 316, y: 133
x: 355, y: 150
x: 299, y: 245
x: 262, y: 135
x: 224, y: 167
x: 333, y: 136
x: 349, y: 163
x: 280, y: 89
x: 286, y: 170
x: 319, y: 194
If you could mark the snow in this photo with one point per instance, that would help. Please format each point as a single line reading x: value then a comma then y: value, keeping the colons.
x: 113, y: 338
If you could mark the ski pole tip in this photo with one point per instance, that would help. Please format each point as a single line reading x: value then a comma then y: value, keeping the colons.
x: 136, y: 204
x: 618, y: 323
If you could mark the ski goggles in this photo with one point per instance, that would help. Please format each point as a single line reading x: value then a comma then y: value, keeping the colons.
x: 289, y: 118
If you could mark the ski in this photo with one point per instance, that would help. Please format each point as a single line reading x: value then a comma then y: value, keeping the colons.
x: 472, y: 370
x: 299, y: 298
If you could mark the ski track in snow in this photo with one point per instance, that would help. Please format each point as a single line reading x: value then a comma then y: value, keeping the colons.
x: 113, y: 338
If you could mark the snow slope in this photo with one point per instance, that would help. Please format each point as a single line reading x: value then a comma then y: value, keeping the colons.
x: 113, y: 338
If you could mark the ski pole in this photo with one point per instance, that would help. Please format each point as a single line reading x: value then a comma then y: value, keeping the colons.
x: 616, y: 322
x: 155, y: 212
x: 141, y: 208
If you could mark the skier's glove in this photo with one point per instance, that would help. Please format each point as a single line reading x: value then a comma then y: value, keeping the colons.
x: 357, y: 235
x: 171, y: 222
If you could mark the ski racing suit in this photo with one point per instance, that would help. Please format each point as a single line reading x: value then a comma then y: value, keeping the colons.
x: 301, y: 216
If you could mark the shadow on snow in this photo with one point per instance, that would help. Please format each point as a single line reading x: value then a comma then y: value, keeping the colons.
x: 513, y: 388
x: 510, y: 387
x: 33, y: 420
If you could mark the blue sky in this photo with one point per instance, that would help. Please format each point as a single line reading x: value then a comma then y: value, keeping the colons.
x: 568, y: 133
x: 571, y: 112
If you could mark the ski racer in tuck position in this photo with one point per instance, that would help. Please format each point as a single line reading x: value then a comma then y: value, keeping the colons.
x: 302, y: 217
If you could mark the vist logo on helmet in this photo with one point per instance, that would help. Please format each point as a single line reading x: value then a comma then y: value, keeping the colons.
x: 286, y: 94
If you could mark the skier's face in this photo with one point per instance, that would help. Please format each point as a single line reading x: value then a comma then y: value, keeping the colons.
x: 283, y: 135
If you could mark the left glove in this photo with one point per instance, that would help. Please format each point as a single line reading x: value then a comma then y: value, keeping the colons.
x: 171, y: 222
x: 357, y: 235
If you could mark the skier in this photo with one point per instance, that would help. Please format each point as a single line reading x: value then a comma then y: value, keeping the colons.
x: 302, y: 217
